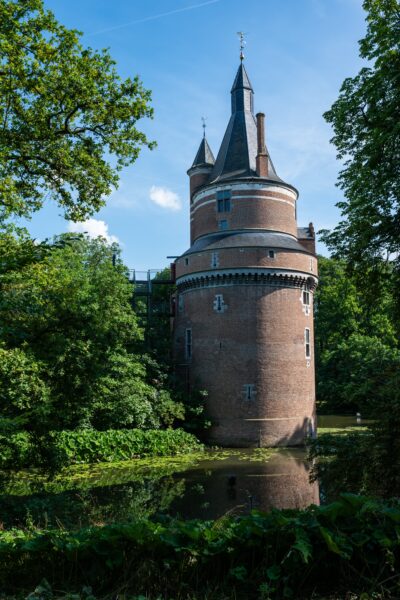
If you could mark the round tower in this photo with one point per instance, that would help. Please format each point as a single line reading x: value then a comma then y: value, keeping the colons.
x: 243, y: 328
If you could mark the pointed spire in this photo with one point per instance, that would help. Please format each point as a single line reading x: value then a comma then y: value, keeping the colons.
x: 237, y: 155
x: 242, y: 80
x: 204, y: 156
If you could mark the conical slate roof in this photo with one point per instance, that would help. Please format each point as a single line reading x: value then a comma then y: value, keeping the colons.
x: 241, y: 80
x: 237, y: 155
x: 204, y: 156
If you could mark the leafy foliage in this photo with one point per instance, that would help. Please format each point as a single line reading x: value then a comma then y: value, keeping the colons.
x: 355, y: 337
x: 72, y: 353
x: 352, y: 543
x: 64, y: 112
x: 62, y: 448
x: 366, y: 124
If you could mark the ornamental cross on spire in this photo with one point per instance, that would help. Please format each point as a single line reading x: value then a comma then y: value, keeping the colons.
x: 241, y: 35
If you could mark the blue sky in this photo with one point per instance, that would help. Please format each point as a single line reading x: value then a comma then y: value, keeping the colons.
x: 298, y: 53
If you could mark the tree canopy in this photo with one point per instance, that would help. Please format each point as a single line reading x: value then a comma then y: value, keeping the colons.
x: 68, y: 122
x: 71, y: 352
x: 366, y: 124
x: 356, y: 344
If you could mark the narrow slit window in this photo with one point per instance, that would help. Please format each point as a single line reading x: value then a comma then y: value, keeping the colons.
x: 306, y: 298
x: 214, y: 259
x: 248, y: 391
x: 307, y: 342
x: 186, y: 261
x: 271, y: 253
x: 188, y: 344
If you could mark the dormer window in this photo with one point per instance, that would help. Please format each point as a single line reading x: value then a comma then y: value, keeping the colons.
x: 224, y: 201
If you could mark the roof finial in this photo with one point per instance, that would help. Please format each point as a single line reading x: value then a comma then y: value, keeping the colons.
x: 204, y: 126
x: 241, y: 35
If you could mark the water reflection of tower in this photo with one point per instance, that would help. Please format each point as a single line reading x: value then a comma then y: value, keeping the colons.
x: 238, y: 486
x: 243, y: 328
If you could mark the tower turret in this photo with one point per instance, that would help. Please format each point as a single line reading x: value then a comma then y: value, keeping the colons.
x: 244, y: 326
x: 202, y: 166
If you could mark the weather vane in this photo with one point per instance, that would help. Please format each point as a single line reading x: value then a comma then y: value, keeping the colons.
x: 241, y: 35
x: 203, y: 119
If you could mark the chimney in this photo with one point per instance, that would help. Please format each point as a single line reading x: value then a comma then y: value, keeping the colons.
x: 262, y: 156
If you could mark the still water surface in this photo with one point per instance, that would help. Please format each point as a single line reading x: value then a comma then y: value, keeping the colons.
x: 206, y: 485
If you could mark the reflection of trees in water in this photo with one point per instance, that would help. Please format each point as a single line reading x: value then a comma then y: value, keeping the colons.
x: 95, y: 506
x: 227, y: 481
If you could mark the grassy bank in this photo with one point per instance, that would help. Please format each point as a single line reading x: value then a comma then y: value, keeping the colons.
x: 353, y: 543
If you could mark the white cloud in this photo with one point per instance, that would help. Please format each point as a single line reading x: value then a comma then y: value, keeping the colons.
x: 165, y: 198
x: 93, y: 228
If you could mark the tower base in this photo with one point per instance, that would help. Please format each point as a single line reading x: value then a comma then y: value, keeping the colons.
x: 262, y: 433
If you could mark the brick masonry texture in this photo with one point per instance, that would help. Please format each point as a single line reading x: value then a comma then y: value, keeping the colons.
x: 258, y: 340
x: 246, y: 257
x: 248, y: 211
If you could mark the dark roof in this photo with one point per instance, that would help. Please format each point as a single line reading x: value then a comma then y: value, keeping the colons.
x: 241, y: 80
x: 235, y: 239
x: 204, y: 155
x: 237, y: 155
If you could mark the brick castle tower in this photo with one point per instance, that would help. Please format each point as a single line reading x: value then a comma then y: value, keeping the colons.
x: 243, y: 328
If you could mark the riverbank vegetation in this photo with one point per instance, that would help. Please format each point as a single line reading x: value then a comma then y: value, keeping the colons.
x: 350, y: 544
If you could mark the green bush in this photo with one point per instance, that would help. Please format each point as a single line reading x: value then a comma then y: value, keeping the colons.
x: 61, y: 448
x: 353, y: 543
x: 16, y: 450
x: 88, y: 446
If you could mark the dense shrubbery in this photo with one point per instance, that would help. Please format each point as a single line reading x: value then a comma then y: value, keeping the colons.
x: 356, y: 341
x: 71, y: 349
x: 62, y: 448
x: 353, y: 543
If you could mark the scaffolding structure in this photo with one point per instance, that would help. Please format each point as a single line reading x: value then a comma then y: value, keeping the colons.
x: 152, y: 291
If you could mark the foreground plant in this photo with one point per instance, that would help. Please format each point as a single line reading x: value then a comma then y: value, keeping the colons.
x: 353, y: 543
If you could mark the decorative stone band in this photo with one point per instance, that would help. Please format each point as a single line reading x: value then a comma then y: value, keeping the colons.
x: 247, y: 276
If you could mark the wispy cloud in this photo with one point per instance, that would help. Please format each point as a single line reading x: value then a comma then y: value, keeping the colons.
x: 93, y: 228
x: 123, y: 197
x: 165, y: 198
x: 154, y: 17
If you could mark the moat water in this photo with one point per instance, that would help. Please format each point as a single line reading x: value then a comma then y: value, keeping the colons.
x: 205, y: 485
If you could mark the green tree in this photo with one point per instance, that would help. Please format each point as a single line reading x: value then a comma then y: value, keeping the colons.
x: 69, y: 313
x: 64, y: 113
x: 355, y: 338
x: 366, y: 124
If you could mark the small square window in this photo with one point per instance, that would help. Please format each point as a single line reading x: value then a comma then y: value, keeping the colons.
x: 249, y: 391
x: 271, y: 253
x: 219, y: 304
x: 224, y: 201
x: 222, y: 225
